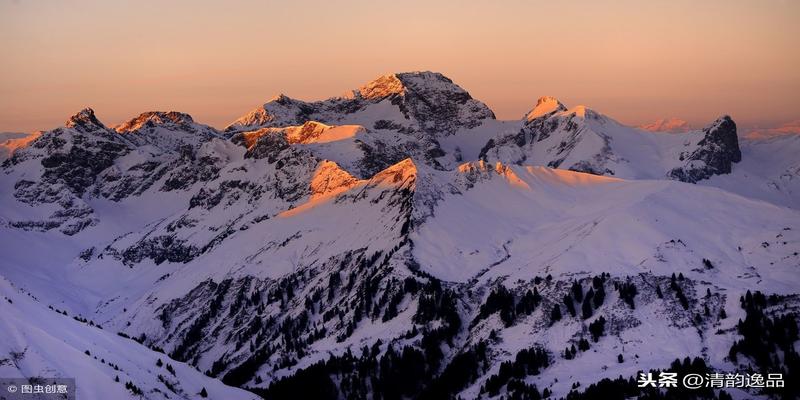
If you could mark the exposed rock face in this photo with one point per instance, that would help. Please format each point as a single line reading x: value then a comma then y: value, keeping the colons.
x: 329, y: 179
x: 10, y: 142
x: 278, y: 111
x: 400, y: 115
x: 85, y: 158
x: 85, y: 121
x: 308, y: 133
x: 439, y: 105
x: 168, y: 131
x: 431, y: 101
x: 714, y: 155
x: 70, y: 160
x: 544, y: 106
x: 381, y: 88
x: 152, y: 119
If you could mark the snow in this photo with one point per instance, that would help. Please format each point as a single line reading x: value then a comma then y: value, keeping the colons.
x: 469, y: 142
x: 384, y: 86
x: 769, y: 171
x: 10, y: 141
x: 554, y: 222
x: 545, y: 105
x: 474, y: 224
x: 50, y: 344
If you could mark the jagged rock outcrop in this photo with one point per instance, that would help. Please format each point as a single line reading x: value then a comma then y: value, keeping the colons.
x: 85, y: 121
x: 64, y: 164
x: 715, y: 153
x: 430, y: 101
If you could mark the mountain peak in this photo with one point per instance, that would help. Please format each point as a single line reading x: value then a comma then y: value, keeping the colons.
x: 403, y: 173
x: 329, y: 179
x: 714, y: 155
x: 722, y: 133
x: 430, y: 99
x: 383, y: 86
x: 723, y: 119
x: 308, y: 132
x: 545, y: 105
x: 401, y: 82
x: 424, y: 76
x: 280, y: 98
x: 84, y: 121
x: 155, y: 118
x: 407, y: 166
x: 435, y: 101
x: 280, y: 110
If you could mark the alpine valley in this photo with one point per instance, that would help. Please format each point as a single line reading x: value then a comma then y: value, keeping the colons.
x: 399, y: 242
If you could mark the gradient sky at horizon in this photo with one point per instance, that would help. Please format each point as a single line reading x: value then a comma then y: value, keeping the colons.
x: 635, y: 61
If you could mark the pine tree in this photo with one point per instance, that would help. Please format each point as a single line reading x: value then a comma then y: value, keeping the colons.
x: 599, y: 296
x: 586, y: 307
x: 627, y: 291
x: 597, y: 328
x: 570, y: 306
x: 555, y: 315
x: 203, y: 393
x: 577, y: 291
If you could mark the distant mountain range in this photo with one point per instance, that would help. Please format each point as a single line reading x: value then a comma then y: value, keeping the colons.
x: 397, y: 242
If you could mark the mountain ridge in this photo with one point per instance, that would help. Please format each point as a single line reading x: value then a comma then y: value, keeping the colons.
x: 399, y: 242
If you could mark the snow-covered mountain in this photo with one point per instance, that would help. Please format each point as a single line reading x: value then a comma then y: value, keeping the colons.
x: 399, y: 242
x: 405, y: 114
x: 10, y: 141
x: 581, y: 139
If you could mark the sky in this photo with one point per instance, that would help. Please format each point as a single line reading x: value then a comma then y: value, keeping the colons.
x: 636, y: 61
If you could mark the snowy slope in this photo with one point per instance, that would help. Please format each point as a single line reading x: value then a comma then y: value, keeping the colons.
x: 770, y: 171
x: 10, y: 141
x: 522, y: 219
x: 38, y: 341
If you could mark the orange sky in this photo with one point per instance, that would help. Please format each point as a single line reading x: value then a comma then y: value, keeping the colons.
x: 636, y: 61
